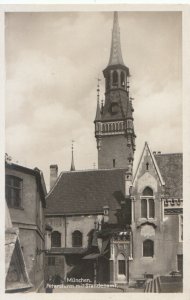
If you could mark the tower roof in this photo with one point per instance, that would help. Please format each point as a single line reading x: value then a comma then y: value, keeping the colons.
x: 115, y: 54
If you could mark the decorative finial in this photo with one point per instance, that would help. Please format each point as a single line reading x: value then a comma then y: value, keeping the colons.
x: 98, y: 111
x: 98, y: 88
x: 72, y: 158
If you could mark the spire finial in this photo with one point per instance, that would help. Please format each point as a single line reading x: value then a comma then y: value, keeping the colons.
x: 72, y: 158
x: 115, y: 54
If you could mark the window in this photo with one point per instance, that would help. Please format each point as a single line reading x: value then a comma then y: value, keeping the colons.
x: 180, y: 228
x: 108, y: 82
x: 148, y: 248
x: 56, y: 239
x: 121, y: 264
x: 122, y: 79
x: 144, y: 208
x: 77, y: 239
x: 113, y: 163
x: 13, y: 191
x: 147, y: 204
x: 180, y: 263
x: 115, y: 78
x: 148, y: 191
x: 51, y: 261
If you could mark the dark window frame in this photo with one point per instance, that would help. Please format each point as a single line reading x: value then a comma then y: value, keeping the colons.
x: 14, y: 191
x: 148, y: 248
x: 77, y: 238
x: 56, y: 239
x: 121, y: 264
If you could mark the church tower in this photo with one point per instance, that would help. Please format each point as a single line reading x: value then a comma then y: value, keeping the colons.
x: 114, y: 130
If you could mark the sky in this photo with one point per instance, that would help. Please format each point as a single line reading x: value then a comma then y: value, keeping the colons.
x: 52, y: 62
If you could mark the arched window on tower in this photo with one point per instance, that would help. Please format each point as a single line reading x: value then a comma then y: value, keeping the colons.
x: 121, y: 264
x: 148, y: 248
x: 77, y: 239
x: 122, y: 79
x: 115, y: 78
x: 56, y: 239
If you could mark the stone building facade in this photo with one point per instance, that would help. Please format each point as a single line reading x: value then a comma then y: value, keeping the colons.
x: 25, y: 196
x: 157, y: 214
x: 109, y: 225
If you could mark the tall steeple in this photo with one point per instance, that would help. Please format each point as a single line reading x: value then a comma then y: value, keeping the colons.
x: 72, y: 158
x: 114, y: 129
x: 115, y: 54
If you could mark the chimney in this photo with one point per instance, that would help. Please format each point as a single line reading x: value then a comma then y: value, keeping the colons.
x: 53, y: 175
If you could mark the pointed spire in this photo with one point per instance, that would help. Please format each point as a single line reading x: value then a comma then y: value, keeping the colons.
x: 115, y: 54
x: 72, y: 159
x: 98, y: 112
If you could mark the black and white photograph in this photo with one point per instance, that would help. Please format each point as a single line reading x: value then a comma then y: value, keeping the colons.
x: 93, y: 151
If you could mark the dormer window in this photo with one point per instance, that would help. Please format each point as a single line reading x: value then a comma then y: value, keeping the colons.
x: 13, y: 190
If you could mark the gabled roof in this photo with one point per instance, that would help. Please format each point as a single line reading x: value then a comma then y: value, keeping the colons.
x: 86, y: 192
x: 171, y: 168
x: 146, y: 148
